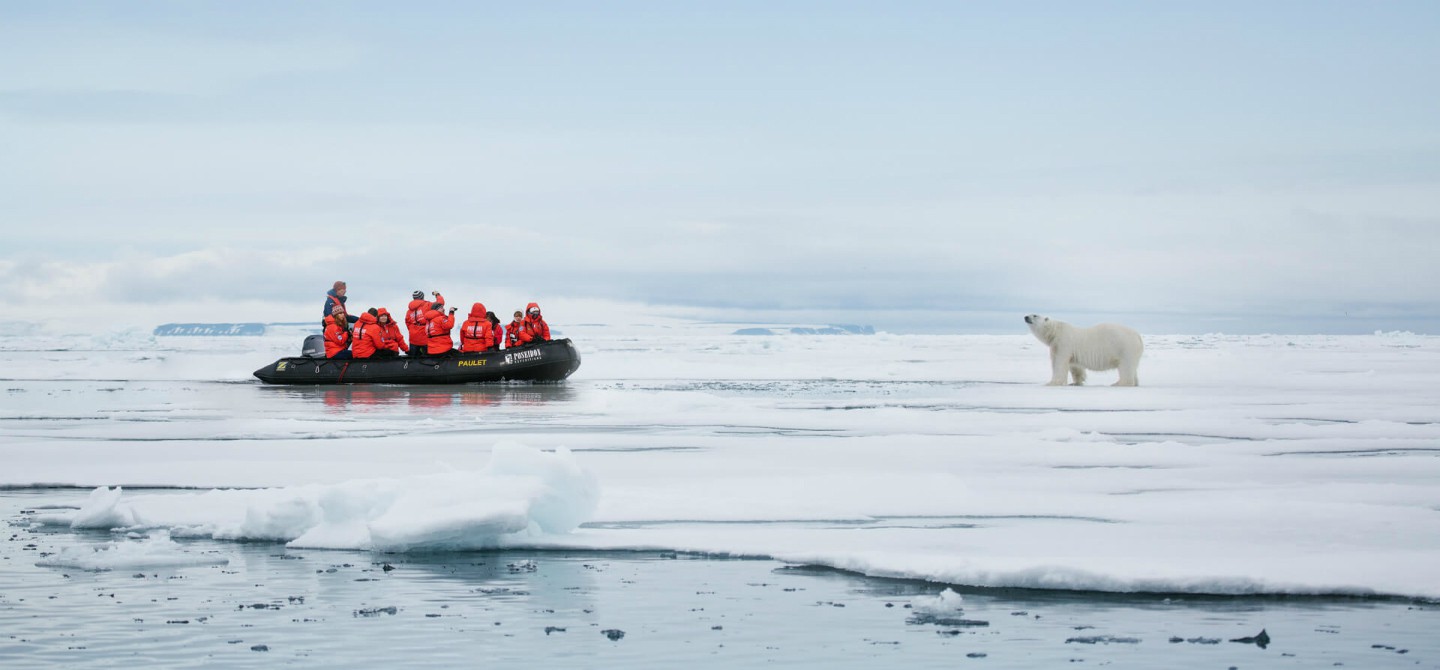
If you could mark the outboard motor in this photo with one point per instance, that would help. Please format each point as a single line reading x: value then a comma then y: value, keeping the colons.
x: 314, y: 346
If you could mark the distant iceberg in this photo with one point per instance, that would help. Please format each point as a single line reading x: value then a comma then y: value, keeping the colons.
x: 210, y: 329
x: 229, y: 329
x: 834, y: 329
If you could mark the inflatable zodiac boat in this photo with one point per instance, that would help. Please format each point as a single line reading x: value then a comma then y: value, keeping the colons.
x: 542, y: 362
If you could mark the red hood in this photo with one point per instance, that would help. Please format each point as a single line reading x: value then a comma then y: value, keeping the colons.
x: 530, y: 307
x: 384, y: 312
x: 366, y: 318
x: 477, y: 311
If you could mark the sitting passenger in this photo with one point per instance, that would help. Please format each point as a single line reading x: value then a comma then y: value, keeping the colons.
x: 512, y: 331
x: 497, y: 332
x: 337, y: 335
x: 534, y: 329
x: 391, y: 341
x: 365, y: 335
x: 437, y: 330
x: 475, y: 333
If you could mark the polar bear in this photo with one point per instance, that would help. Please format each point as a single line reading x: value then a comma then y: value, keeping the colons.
x: 1103, y: 347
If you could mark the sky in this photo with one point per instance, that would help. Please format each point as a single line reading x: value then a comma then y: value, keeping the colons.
x: 919, y: 166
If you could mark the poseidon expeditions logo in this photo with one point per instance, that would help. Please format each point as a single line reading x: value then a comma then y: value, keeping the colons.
x: 522, y: 356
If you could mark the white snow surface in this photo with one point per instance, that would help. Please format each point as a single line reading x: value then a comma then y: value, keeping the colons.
x: 522, y: 492
x: 1242, y: 464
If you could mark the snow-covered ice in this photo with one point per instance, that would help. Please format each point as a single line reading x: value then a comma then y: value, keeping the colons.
x: 156, y: 551
x: 521, y: 492
x: 1243, y: 464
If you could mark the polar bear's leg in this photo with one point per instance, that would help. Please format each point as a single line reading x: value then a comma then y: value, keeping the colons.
x: 1077, y: 373
x: 1059, y: 364
x: 1129, y: 373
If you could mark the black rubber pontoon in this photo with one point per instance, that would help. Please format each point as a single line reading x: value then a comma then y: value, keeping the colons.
x: 543, y: 362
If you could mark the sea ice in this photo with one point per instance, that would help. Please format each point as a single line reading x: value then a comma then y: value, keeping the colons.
x: 155, y: 552
x: 1245, y: 464
x: 522, y: 492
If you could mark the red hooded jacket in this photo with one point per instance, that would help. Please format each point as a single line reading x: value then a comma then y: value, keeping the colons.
x: 365, y: 336
x: 390, y: 337
x: 337, y: 335
x: 437, y: 331
x: 475, y: 333
x: 415, y: 321
x: 534, y: 328
x: 497, y: 335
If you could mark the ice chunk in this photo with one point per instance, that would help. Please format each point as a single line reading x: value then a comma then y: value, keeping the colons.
x: 156, y: 551
x: 948, y: 602
x: 102, y: 510
x: 523, y: 491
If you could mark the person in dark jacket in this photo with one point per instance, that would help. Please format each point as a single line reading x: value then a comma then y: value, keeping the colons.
x: 336, y: 297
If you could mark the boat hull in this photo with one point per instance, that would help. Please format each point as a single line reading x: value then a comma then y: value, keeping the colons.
x: 544, y: 362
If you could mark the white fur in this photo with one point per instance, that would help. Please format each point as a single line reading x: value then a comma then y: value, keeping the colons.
x: 1074, y: 349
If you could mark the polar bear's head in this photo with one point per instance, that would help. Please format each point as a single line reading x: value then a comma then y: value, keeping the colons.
x: 1041, y: 326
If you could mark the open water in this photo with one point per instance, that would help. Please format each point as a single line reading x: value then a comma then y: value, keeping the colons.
x: 271, y: 606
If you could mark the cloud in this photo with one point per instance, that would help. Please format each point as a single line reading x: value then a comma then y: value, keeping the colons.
x: 1307, y: 269
x: 251, y: 156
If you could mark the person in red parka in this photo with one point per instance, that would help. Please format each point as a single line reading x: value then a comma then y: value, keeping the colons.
x: 475, y: 333
x: 415, y: 320
x: 437, y: 329
x: 534, y: 328
x: 497, y: 332
x: 512, y: 331
x: 365, y: 335
x: 391, y: 341
x: 337, y: 335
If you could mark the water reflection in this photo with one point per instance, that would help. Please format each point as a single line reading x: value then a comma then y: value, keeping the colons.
x: 423, y: 399
x: 469, y: 582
